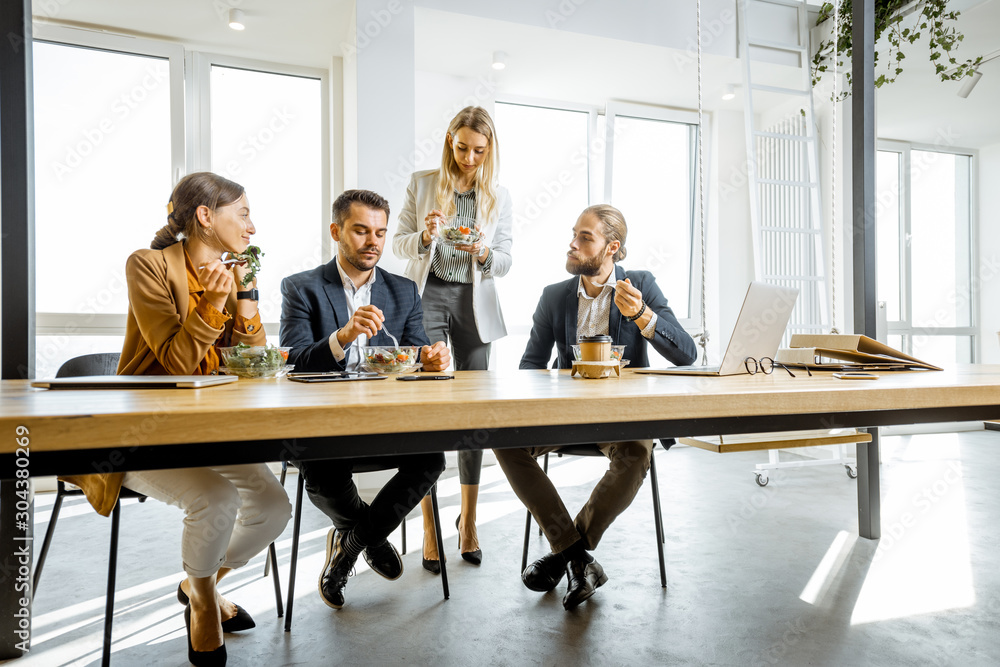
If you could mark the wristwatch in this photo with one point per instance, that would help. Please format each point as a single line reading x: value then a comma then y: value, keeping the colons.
x: 251, y: 294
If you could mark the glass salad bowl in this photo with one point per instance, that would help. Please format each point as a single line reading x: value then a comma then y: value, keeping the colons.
x: 254, y: 361
x: 458, y: 230
x: 390, y: 360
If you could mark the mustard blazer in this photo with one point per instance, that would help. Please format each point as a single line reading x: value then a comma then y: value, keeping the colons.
x: 158, y: 329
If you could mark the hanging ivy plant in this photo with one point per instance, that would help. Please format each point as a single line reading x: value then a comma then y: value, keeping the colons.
x: 933, y: 20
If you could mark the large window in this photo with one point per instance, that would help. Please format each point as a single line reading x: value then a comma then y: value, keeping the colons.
x: 116, y: 126
x: 925, y: 251
x: 557, y: 160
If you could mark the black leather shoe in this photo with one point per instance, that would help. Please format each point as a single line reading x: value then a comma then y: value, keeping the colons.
x: 544, y: 573
x: 474, y: 557
x: 241, y: 621
x: 216, y: 658
x: 384, y: 560
x: 432, y: 566
x: 339, y: 566
x: 584, y: 580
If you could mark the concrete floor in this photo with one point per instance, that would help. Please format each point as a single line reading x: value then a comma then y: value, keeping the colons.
x: 757, y: 576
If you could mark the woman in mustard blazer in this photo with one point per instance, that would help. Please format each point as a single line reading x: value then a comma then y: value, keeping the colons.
x: 183, y: 304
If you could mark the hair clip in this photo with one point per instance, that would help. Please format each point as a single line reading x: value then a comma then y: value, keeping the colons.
x: 170, y: 207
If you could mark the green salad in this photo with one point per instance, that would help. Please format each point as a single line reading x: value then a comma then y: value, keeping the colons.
x: 254, y: 361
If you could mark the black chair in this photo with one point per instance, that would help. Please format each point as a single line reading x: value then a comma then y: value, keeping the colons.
x: 105, y: 363
x: 297, y: 522
x: 593, y: 450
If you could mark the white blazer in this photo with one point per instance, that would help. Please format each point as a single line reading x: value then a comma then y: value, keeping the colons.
x: 406, y: 244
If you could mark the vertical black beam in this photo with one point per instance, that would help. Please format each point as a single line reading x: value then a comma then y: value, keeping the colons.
x: 17, y: 307
x: 863, y: 183
x: 17, y: 204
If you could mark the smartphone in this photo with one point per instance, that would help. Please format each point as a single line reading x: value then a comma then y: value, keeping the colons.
x: 425, y: 377
x: 855, y: 376
x: 333, y: 377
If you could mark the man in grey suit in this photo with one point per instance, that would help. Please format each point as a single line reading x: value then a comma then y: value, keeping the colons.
x: 327, y: 315
x: 601, y: 299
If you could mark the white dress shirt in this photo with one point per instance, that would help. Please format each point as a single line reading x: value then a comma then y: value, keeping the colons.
x: 356, y: 297
x: 594, y: 313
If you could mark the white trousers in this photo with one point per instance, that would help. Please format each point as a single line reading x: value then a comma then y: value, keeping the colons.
x: 231, y: 512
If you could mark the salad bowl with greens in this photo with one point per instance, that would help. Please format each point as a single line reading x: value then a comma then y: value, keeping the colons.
x: 390, y: 360
x: 459, y: 230
x: 254, y: 361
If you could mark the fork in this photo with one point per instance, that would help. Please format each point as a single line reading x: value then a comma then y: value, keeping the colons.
x: 395, y: 343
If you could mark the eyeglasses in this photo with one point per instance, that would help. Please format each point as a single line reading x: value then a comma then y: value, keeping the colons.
x: 766, y: 366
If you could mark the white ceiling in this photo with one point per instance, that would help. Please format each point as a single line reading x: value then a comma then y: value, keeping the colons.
x: 551, y: 63
x: 296, y: 32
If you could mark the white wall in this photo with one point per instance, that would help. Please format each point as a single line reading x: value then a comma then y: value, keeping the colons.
x: 989, y: 252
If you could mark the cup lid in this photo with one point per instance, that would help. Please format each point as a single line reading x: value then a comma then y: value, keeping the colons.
x: 595, y: 339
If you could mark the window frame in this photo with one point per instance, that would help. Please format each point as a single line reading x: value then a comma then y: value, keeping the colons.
x: 904, y: 327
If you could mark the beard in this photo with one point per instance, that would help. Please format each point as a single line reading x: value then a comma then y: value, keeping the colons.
x: 585, y: 266
x: 355, y: 259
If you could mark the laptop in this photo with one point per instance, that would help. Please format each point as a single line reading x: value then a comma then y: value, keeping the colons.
x: 134, y: 381
x: 758, y: 331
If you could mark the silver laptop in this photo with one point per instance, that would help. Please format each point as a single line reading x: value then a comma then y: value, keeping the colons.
x: 134, y: 381
x: 758, y: 331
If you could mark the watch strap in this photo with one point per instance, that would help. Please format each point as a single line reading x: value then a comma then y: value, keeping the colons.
x: 251, y: 294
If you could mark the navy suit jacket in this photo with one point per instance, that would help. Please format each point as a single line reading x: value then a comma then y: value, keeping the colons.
x: 554, y: 322
x: 313, y: 306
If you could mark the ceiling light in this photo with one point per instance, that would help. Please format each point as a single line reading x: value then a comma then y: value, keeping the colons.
x: 236, y: 19
x: 499, y: 60
x: 970, y: 83
x: 729, y: 92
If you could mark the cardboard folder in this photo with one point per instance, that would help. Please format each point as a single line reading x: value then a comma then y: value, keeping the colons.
x: 854, y: 350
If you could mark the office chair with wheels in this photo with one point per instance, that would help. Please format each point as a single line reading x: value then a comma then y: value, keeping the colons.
x: 296, y: 527
x: 592, y: 450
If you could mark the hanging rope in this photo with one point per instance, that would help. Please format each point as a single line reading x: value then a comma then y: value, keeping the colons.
x: 703, y: 336
x: 833, y: 170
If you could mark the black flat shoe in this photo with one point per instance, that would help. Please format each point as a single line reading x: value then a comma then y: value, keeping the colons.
x: 241, y: 621
x: 474, y: 557
x: 216, y: 658
x: 384, y: 560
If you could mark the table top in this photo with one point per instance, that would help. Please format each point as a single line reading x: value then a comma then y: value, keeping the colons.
x: 64, y: 419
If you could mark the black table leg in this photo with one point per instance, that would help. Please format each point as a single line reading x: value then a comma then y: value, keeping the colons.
x: 869, y: 502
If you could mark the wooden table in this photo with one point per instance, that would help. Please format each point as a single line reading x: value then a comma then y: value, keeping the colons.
x: 79, y: 431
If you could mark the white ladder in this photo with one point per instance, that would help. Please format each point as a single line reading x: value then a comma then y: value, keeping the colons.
x: 784, y: 185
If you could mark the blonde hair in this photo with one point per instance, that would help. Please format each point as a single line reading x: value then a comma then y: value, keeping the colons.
x: 614, y: 227
x: 478, y: 120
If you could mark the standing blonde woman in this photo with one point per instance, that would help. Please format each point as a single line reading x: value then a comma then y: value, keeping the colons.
x: 457, y: 284
x: 183, y: 303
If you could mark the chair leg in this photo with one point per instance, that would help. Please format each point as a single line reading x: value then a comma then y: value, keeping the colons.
x: 109, y: 603
x: 658, y: 519
x: 49, y: 532
x: 272, y: 556
x: 296, y: 524
x: 440, y: 541
x: 269, y: 559
x: 402, y: 526
x: 545, y: 469
x: 527, y: 536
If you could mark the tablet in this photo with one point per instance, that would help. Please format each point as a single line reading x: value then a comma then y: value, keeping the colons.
x: 335, y: 376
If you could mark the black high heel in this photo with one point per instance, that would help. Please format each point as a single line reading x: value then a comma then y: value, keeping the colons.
x: 474, y: 557
x: 241, y: 621
x: 216, y: 658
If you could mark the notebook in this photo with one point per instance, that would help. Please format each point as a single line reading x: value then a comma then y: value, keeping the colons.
x: 134, y: 381
x: 759, y: 327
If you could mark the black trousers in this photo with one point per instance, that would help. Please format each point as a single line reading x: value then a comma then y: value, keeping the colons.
x: 331, y: 488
